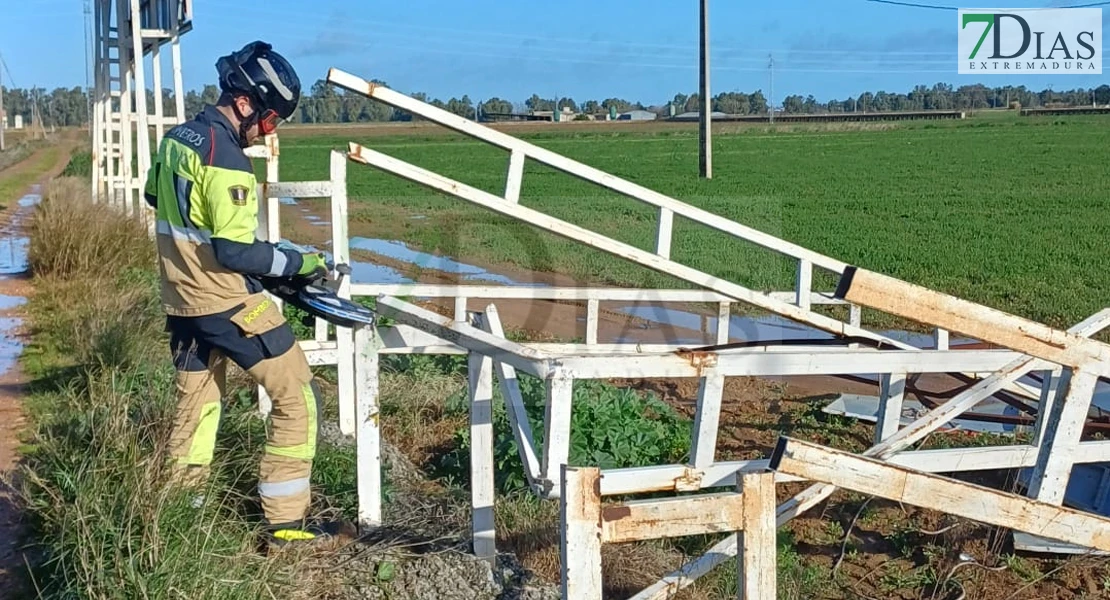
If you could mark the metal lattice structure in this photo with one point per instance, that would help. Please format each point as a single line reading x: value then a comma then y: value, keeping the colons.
x: 125, y: 33
x: 1069, y: 362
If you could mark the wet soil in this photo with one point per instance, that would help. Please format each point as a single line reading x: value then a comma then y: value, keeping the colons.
x: 15, y: 290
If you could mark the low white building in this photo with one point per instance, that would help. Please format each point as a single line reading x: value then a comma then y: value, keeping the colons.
x: 637, y: 115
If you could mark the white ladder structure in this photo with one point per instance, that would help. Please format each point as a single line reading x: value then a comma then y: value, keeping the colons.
x: 800, y: 310
x: 125, y: 32
x: 1076, y: 361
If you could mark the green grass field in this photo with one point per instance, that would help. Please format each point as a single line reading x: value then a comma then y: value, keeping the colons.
x: 1003, y: 210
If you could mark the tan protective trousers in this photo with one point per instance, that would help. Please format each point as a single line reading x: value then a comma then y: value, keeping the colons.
x: 257, y: 338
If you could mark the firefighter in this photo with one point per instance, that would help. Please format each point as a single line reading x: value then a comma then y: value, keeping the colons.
x: 203, y: 188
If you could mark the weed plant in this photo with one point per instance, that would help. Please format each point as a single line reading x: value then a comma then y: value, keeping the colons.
x: 102, y: 522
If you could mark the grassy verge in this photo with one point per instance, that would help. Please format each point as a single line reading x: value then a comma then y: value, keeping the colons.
x: 14, y: 184
x: 14, y: 153
x: 103, y: 522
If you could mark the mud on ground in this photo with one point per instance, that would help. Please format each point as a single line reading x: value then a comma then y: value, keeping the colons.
x: 15, y: 289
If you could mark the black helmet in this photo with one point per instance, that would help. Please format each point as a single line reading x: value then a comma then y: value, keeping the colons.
x: 264, y: 75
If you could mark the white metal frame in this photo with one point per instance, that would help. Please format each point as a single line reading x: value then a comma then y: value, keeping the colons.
x: 481, y: 336
x: 322, y: 350
x: 421, y: 331
x: 587, y: 524
x: 507, y: 204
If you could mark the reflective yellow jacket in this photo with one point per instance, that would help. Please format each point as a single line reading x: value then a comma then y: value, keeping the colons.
x: 205, y: 192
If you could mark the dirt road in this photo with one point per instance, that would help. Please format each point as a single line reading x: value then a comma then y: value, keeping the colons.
x: 15, y: 289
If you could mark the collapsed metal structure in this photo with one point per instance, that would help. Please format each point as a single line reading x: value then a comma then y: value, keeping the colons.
x: 1070, y: 364
x: 125, y: 34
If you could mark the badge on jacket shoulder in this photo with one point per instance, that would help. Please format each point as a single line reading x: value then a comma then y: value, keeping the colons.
x: 238, y: 195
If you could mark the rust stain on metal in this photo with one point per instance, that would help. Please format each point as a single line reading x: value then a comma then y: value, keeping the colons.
x: 700, y: 360
x: 354, y: 152
x: 272, y: 145
x: 666, y: 487
x: 588, y: 497
x: 690, y: 480
x: 615, y: 513
x: 1023, y: 330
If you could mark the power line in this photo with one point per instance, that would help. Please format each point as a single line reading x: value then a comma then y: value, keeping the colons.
x: 942, y: 7
x: 8, y: 71
x: 914, y: 4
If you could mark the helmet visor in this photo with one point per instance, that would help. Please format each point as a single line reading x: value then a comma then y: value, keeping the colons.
x: 269, y: 122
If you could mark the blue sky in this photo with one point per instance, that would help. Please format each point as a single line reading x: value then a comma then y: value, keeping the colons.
x: 644, y: 50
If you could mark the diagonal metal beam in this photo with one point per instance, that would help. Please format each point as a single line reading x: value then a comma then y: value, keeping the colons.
x: 467, y: 336
x: 579, y: 234
x: 912, y: 433
x: 926, y: 490
x: 897, y: 297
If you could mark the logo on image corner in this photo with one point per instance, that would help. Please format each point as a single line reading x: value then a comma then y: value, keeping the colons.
x: 1047, y: 41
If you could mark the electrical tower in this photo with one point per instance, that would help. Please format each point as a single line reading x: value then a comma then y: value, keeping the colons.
x: 771, y: 100
x: 125, y: 32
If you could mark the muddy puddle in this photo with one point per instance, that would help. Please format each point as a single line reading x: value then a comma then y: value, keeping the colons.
x: 10, y: 302
x: 680, y: 323
x: 763, y: 328
x: 650, y: 320
x: 13, y: 265
x: 13, y: 244
x: 401, y: 252
x: 10, y: 346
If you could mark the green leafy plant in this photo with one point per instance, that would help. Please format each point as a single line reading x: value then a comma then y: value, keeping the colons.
x: 611, y: 427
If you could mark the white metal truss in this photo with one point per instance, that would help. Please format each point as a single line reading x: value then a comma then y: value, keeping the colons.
x: 125, y: 34
x: 1030, y: 346
x: 800, y: 309
x: 418, y: 330
x: 494, y: 358
x: 1064, y: 399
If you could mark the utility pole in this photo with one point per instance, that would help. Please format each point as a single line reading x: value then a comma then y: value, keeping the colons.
x: 771, y: 103
x: 705, y: 155
x: 88, y: 92
x: 3, y: 111
x: 4, y: 124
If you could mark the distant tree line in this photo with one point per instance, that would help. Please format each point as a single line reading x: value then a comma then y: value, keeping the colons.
x: 324, y: 103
